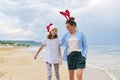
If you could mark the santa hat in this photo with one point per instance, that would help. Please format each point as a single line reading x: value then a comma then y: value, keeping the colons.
x: 50, y: 27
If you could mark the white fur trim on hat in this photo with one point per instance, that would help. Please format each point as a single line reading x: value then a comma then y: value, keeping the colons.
x: 52, y: 27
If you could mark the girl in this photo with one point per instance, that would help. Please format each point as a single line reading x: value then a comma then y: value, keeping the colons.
x: 75, y: 48
x: 53, y: 52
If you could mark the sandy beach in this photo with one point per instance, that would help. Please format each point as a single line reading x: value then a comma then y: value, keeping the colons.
x: 18, y: 64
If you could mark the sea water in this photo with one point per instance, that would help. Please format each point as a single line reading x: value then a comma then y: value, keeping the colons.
x: 107, y: 58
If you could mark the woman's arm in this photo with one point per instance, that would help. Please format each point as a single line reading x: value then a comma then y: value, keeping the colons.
x: 38, y: 51
x: 62, y: 41
x: 84, y: 42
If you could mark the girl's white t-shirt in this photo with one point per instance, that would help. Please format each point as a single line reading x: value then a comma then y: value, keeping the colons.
x: 52, y: 50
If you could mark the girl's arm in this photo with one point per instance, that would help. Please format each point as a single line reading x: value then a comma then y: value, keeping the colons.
x: 60, y: 56
x: 38, y: 51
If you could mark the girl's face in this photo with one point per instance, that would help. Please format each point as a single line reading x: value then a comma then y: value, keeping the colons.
x: 53, y: 32
x: 69, y: 27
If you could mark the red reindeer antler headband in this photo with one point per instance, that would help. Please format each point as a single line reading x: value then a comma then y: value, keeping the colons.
x: 66, y: 14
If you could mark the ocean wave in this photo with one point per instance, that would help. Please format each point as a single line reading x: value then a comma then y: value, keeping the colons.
x: 111, y: 75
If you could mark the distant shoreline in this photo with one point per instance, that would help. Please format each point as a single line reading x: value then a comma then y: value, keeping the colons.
x: 19, y: 43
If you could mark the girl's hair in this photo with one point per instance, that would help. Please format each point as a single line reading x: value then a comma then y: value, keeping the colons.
x: 71, y: 21
x: 50, y: 36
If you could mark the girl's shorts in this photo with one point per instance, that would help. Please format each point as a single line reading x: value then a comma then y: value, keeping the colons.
x: 75, y: 60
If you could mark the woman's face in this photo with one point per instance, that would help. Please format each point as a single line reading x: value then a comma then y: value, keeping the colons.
x: 69, y: 27
x: 53, y: 32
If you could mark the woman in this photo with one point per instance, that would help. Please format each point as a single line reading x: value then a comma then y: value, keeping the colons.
x: 75, y: 52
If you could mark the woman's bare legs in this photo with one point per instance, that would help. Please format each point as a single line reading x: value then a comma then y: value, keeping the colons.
x: 71, y: 74
x: 79, y: 73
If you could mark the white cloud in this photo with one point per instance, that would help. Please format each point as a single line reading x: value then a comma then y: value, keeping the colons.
x: 28, y: 18
x: 7, y: 30
x: 30, y: 25
x: 8, y: 5
x: 9, y: 24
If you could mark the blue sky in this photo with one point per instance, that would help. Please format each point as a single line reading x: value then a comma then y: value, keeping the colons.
x: 26, y: 20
